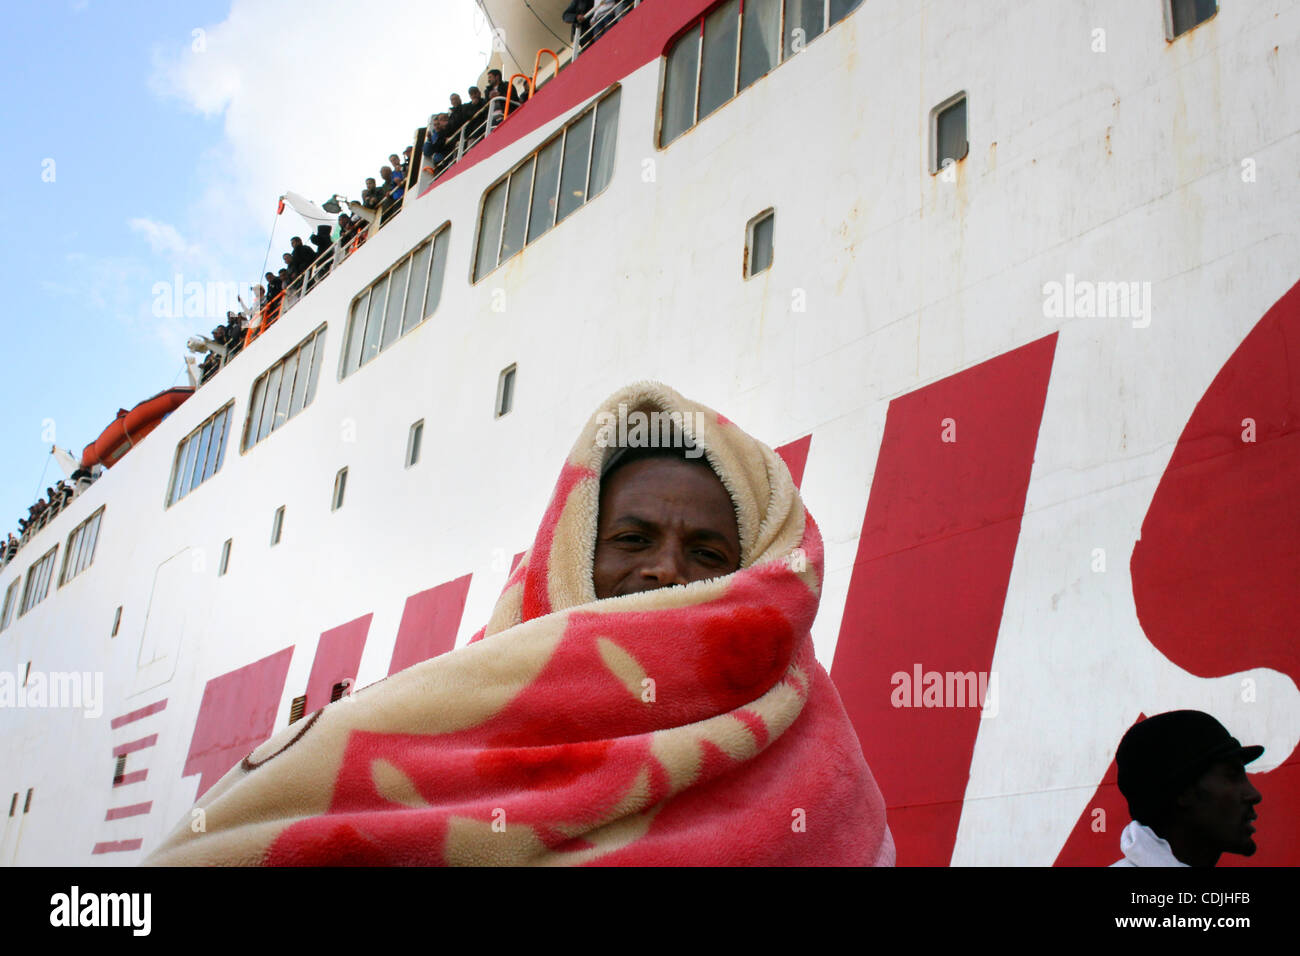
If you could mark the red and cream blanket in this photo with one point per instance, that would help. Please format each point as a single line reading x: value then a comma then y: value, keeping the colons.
x: 687, y: 725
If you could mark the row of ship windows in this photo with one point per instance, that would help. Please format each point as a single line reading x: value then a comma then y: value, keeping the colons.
x: 719, y: 56
x: 198, y: 457
x: 78, y: 553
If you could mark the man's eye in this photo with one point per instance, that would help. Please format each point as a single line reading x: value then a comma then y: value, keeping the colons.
x: 712, y: 557
x: 630, y: 538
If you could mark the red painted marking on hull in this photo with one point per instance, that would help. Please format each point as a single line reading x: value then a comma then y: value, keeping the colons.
x: 795, y: 456
x: 630, y: 44
x: 930, y: 579
x: 236, y: 715
x: 118, y: 846
x: 338, y: 655
x: 134, y: 810
x: 135, y: 776
x: 430, y: 620
x: 138, y: 714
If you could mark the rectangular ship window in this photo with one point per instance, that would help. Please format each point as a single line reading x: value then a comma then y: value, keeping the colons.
x: 277, y: 525
x: 225, y: 557
x: 283, y: 390
x: 758, y: 243
x: 413, y: 439
x: 948, y: 136
x: 506, y: 391
x: 396, y: 302
x: 718, y: 62
x: 117, y: 621
x: 10, y: 605
x: 340, y: 486
x: 297, y: 709
x: 548, y: 186
x: 80, y: 549
x: 199, y: 455
x: 1183, y: 15
x: 38, y: 581
x: 701, y: 72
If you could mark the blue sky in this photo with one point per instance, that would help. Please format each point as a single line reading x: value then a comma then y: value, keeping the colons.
x: 142, y: 140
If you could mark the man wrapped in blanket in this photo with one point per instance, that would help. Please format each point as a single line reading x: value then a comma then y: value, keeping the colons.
x: 645, y: 692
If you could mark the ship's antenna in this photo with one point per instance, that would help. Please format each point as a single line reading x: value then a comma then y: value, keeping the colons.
x: 40, y: 481
x: 269, y: 239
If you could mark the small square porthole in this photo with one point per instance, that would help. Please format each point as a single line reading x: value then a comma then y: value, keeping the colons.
x: 949, y: 141
x: 339, y: 689
x: 506, y: 391
x: 13, y: 805
x: 224, y: 566
x: 413, y: 443
x: 297, y: 709
x: 277, y: 525
x: 119, y: 771
x: 340, y: 486
x: 27, y: 804
x: 758, y: 243
x: 117, y: 620
x: 1183, y: 15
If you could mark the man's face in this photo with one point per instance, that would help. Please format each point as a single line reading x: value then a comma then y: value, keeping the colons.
x: 1220, y: 807
x: 455, y: 99
x: 663, y: 522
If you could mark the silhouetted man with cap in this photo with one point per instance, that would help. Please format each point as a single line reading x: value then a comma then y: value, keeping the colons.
x: 1184, y: 777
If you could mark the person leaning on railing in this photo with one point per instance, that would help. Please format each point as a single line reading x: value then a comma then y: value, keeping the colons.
x: 576, y: 14
x: 499, y: 88
x: 438, y: 141
x: 372, y: 195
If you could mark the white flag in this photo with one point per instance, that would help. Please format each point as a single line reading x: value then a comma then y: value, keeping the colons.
x: 312, y: 213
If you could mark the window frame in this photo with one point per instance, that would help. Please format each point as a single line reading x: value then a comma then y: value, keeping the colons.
x: 339, y: 494
x: 414, y: 442
x: 440, y: 235
x: 183, y: 465
x: 750, y: 227
x: 69, y: 549
x: 1170, y: 35
x: 696, y: 27
x: 530, y: 163
x: 959, y: 97
x: 508, y: 374
x: 9, y: 607
x: 39, y: 573
x: 263, y: 408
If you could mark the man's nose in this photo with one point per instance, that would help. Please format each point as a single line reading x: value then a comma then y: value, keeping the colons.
x: 666, y: 567
x: 1253, y: 796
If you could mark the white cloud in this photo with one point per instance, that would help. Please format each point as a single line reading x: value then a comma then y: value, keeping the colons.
x: 163, y: 239
x: 312, y: 97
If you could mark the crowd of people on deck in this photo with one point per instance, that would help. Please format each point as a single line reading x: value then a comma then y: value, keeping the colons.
x: 56, y: 499
x: 449, y: 134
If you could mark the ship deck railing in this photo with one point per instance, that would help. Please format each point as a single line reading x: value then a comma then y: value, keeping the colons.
x: 594, y: 30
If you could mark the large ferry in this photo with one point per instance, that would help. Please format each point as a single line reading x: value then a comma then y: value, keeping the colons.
x: 1011, y: 286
